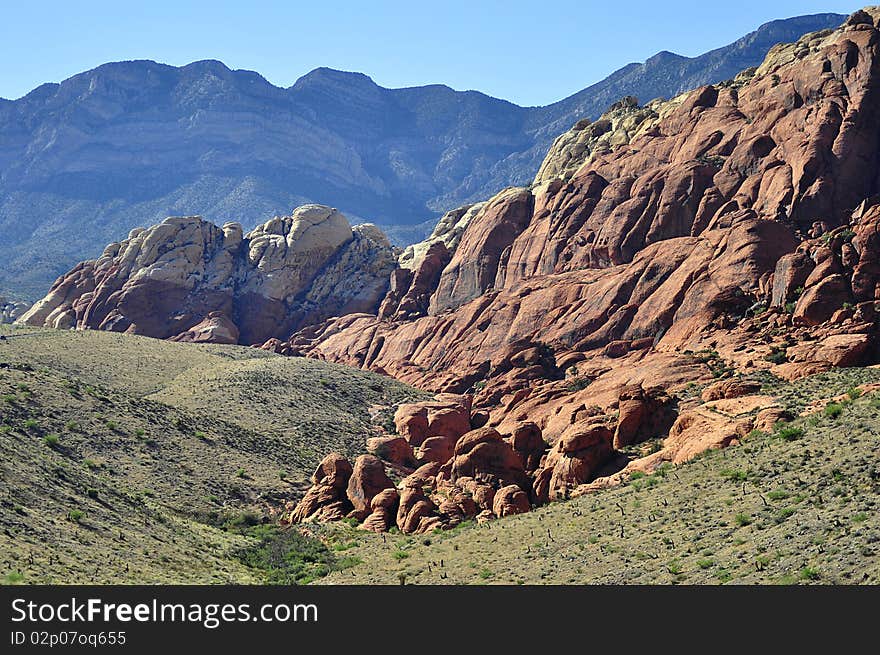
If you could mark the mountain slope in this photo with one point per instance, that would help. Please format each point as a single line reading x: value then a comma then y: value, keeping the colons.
x: 627, y: 314
x: 133, y: 460
x: 126, y: 144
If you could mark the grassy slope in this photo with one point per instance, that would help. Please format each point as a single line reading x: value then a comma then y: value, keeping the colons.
x: 768, y: 511
x: 118, y: 453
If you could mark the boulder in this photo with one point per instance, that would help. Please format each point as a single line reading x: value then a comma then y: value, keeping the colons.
x: 448, y: 415
x: 411, y: 422
x: 435, y: 449
x: 414, y: 505
x: 528, y: 443
x: 733, y: 388
x: 819, y: 302
x: 383, y: 511
x: 368, y: 478
x: 395, y: 450
x: 581, y: 451
x: 483, y: 455
x: 766, y: 419
x: 333, y: 471
x: 216, y: 327
x: 835, y: 350
x: 791, y: 273
x: 642, y: 414
x: 510, y: 500
x: 326, y: 500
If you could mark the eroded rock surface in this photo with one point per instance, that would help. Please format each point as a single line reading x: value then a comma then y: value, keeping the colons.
x: 190, y: 280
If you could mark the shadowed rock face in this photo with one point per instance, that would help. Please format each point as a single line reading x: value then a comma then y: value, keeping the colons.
x: 127, y: 143
x: 189, y: 280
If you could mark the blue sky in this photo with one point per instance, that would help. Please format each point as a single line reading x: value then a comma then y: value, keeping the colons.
x: 531, y: 53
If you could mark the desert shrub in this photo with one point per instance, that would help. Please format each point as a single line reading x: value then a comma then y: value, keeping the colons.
x: 833, y: 410
x: 742, y: 520
x: 735, y: 475
x: 579, y: 383
x: 286, y: 557
x: 776, y: 355
x: 789, y: 432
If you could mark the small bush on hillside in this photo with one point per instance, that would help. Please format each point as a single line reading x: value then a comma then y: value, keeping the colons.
x: 742, y: 520
x: 833, y: 410
x: 789, y: 432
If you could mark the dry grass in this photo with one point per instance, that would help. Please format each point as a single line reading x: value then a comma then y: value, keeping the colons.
x: 125, y: 459
x: 109, y: 473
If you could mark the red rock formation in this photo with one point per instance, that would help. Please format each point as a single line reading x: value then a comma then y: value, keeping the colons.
x: 480, y: 254
x: 414, y: 505
x: 447, y: 416
x: 733, y: 388
x: 384, y: 510
x: 580, y: 452
x: 510, y: 500
x: 410, y: 292
x: 392, y: 449
x: 368, y: 478
x: 215, y: 328
x: 734, y: 228
x: 528, y: 443
x: 483, y: 455
x: 326, y: 500
x: 642, y: 415
x: 435, y: 449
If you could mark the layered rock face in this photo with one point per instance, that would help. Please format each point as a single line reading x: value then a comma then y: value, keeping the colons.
x: 689, y: 242
x: 654, y: 242
x: 189, y: 280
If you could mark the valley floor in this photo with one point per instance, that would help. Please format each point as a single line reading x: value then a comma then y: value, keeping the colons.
x: 131, y: 460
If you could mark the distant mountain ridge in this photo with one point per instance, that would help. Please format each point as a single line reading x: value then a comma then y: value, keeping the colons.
x: 126, y: 144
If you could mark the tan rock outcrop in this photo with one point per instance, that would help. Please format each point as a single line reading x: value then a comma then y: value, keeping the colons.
x: 191, y: 280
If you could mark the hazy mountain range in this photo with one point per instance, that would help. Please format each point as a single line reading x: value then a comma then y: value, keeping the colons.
x: 128, y: 143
